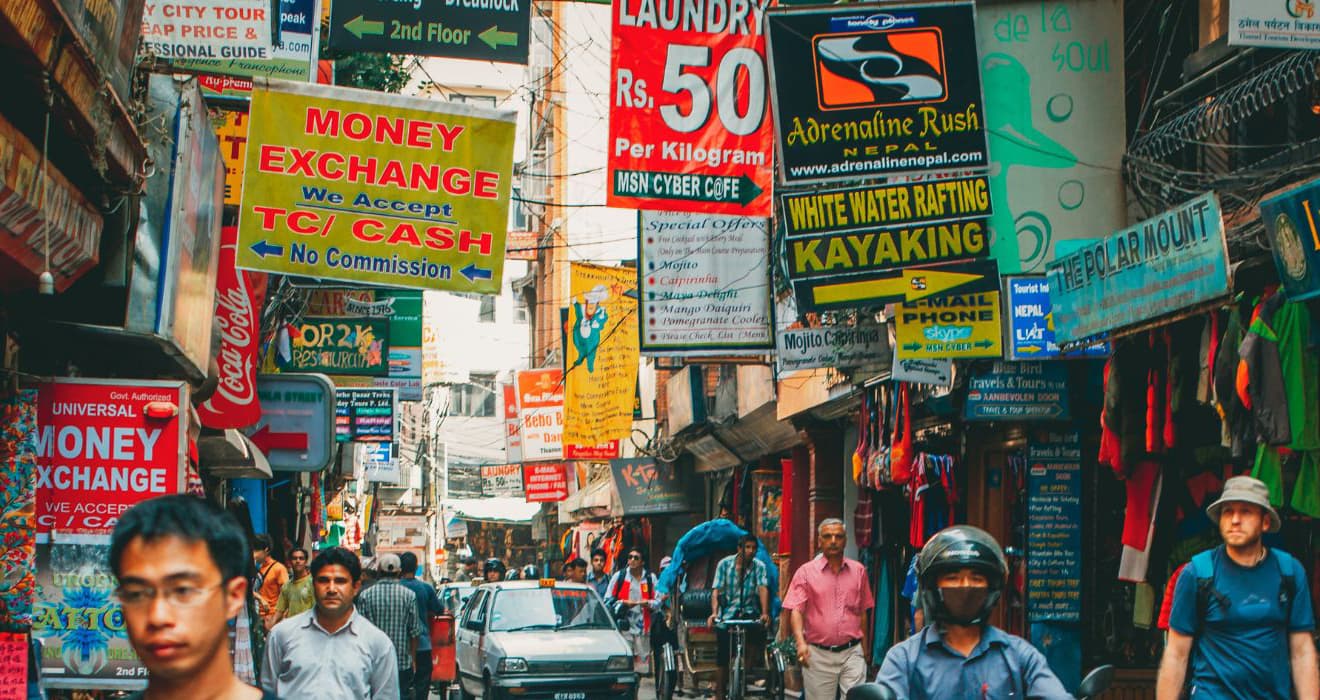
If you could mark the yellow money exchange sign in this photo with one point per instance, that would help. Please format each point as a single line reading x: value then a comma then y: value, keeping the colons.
x: 374, y: 188
x: 601, y: 354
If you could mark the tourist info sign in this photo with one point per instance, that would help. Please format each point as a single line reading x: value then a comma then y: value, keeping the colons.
x: 374, y: 188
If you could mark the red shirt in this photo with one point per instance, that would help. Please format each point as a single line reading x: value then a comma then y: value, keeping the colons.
x: 831, y: 603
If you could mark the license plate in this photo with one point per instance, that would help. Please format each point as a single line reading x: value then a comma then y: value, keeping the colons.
x: 570, y: 696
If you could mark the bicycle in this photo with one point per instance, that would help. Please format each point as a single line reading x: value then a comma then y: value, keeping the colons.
x: 738, y: 675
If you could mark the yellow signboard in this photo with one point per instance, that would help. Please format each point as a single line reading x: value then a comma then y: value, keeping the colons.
x: 233, y: 133
x: 375, y: 188
x: 602, y: 353
x: 957, y: 325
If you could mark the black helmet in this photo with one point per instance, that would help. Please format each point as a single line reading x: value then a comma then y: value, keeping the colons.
x: 953, y: 549
x: 494, y: 564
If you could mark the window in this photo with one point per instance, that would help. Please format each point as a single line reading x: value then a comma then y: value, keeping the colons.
x: 483, y: 100
x: 486, y: 314
x: 475, y: 399
x: 519, y: 307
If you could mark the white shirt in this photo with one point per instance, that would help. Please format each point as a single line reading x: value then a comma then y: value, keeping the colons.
x: 356, y: 662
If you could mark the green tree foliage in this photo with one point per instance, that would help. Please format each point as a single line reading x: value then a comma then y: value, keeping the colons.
x: 371, y: 71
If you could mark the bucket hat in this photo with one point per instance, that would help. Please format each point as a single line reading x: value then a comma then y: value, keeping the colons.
x: 1244, y: 489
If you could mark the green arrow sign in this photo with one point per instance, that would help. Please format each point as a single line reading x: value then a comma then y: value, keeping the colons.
x: 495, y: 38
x: 691, y: 187
x: 359, y: 26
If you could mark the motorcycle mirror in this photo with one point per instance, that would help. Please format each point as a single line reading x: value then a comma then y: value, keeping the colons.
x: 870, y: 691
x: 1096, y: 682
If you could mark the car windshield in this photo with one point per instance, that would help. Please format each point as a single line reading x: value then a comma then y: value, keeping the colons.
x: 453, y: 597
x: 547, y: 608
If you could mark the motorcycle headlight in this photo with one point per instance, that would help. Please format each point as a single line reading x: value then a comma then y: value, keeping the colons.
x: 619, y: 663
x: 513, y: 664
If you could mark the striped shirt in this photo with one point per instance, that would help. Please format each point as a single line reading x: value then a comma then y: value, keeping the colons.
x: 392, y: 607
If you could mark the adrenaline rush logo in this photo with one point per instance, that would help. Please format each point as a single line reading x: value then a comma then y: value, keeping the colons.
x: 880, y: 68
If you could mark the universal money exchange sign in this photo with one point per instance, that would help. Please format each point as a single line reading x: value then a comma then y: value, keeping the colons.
x: 689, y: 128
x: 373, y: 188
x: 868, y: 89
x: 1162, y: 265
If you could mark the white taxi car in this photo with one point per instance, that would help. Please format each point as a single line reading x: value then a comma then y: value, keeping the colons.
x: 546, y: 639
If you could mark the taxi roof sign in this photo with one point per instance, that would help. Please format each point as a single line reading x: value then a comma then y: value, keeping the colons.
x: 547, y: 583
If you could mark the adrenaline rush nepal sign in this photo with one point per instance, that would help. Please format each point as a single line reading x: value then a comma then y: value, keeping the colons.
x: 99, y: 452
x: 374, y: 188
x: 869, y: 89
x: 689, y: 125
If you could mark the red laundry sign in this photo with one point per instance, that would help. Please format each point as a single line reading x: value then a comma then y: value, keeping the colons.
x: 101, y: 449
x: 545, y: 483
x: 238, y: 298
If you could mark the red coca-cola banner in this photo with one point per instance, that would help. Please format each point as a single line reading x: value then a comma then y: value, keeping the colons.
x: 238, y: 298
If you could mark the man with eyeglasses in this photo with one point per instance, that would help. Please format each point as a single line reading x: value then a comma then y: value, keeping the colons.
x: 180, y: 563
x: 330, y: 652
x: 296, y: 597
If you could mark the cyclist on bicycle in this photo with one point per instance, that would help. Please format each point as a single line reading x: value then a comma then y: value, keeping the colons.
x: 741, y: 592
x: 959, y: 654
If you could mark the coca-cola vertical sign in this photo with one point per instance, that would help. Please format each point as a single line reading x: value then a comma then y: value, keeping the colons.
x: 238, y: 298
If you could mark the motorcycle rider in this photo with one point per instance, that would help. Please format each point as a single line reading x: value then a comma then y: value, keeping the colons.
x: 959, y: 654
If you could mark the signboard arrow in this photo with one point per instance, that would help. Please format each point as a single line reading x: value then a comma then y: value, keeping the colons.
x: 495, y: 38
x: 893, y: 286
x: 360, y: 25
x: 267, y: 440
x: 474, y: 273
x: 263, y: 249
x: 490, y: 30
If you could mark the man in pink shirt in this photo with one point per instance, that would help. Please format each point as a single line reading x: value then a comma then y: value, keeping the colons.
x: 828, y: 601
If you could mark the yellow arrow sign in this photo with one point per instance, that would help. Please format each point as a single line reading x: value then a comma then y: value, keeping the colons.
x: 911, y: 285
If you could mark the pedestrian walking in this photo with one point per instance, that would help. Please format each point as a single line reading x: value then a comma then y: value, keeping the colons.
x: 180, y: 564
x: 962, y: 572
x: 392, y: 607
x: 632, y: 589
x: 428, y: 606
x: 828, y: 600
x: 741, y: 591
x: 296, y: 597
x: 270, y: 579
x: 576, y: 569
x: 1242, y: 619
x: 331, y: 652
x: 599, y: 578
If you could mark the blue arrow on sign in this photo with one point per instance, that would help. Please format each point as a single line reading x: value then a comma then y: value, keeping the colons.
x: 474, y: 273
x: 263, y: 249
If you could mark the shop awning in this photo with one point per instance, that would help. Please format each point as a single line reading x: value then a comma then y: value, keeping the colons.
x: 506, y: 510
x: 229, y: 454
x: 590, y: 497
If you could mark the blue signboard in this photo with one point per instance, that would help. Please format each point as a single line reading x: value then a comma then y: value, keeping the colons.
x: 1290, y: 223
x: 1031, y: 322
x: 1164, y: 264
x: 1018, y: 391
x: 1054, y: 530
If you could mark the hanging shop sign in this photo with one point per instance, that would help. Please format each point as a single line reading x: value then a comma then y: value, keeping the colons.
x: 1290, y: 224
x: 292, y: 54
x: 1276, y: 24
x: 232, y: 130
x: 79, y: 622
x: 601, y: 356
x: 957, y: 325
x: 1019, y: 391
x: 860, y: 345
x: 705, y: 282
x: 67, y: 222
x: 545, y: 483
x: 379, y: 464
x: 1031, y: 322
x: 522, y: 245
x: 541, y: 406
x: 401, y: 533
x: 239, y: 296
x: 109, y: 32
x: 1161, y: 265
x: 836, y: 255
x: 605, y: 451
x: 935, y: 372
x: 342, y: 346
x: 296, y: 431
x: 484, y: 31
x: 375, y: 188
x: 402, y: 308
x: 513, y: 446
x: 648, y: 487
x: 689, y: 128
x: 1054, y: 530
x: 104, y: 445
x: 502, y: 480
x: 365, y: 415
x: 908, y: 284
x: 898, y: 213
x: 1055, y: 119
x: 209, y: 29
x: 923, y: 112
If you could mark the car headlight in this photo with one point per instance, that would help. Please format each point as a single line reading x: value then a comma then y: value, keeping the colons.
x: 619, y: 663
x: 513, y: 664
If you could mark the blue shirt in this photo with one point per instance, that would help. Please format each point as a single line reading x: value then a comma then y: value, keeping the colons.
x: 600, y: 583
x: 428, y: 606
x: 923, y: 667
x: 1242, y: 651
x: 740, y: 602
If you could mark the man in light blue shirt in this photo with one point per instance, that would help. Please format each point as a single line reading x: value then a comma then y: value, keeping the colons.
x: 599, y: 578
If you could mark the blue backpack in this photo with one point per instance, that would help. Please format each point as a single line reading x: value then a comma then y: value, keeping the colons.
x: 1206, y: 564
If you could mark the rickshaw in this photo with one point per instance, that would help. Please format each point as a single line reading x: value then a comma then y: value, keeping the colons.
x: 686, y: 583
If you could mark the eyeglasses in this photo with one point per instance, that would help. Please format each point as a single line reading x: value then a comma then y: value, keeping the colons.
x: 634, y: 556
x: 175, y: 596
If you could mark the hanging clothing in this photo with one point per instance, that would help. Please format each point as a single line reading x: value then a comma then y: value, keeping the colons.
x: 1140, y: 512
x: 1237, y: 422
x: 1260, y: 382
x: 1306, y: 492
x: 1134, y: 563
